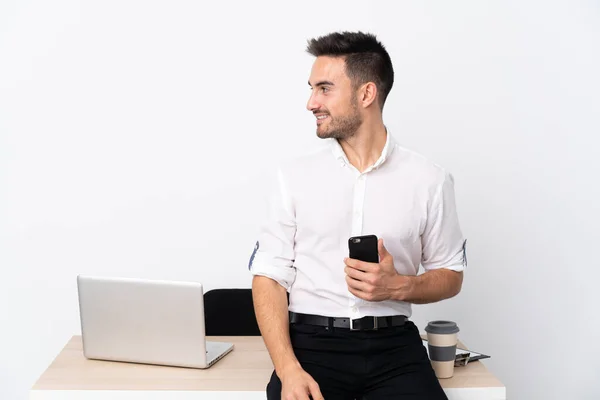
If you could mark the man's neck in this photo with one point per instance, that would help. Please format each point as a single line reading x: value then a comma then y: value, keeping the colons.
x: 365, y: 147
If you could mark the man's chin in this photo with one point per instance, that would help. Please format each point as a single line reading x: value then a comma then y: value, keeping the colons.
x: 325, y: 134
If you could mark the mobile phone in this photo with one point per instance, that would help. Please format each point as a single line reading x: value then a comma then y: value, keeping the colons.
x: 364, y: 248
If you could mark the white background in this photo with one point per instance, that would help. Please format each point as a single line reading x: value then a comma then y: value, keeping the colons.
x: 135, y: 135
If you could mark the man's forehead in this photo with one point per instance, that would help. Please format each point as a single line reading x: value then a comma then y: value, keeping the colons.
x: 327, y: 68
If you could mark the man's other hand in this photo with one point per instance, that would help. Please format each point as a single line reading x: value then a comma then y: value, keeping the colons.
x: 297, y: 384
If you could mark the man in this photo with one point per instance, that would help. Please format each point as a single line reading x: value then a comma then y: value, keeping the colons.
x: 346, y: 332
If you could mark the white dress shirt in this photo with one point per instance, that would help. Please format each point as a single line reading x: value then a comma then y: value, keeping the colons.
x: 320, y: 200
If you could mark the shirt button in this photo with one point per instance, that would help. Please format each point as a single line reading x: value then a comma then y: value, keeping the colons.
x: 354, y: 309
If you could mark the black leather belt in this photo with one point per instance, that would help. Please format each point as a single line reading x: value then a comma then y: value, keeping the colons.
x: 361, y: 324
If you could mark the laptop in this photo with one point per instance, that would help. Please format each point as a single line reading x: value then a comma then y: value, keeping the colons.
x: 145, y: 321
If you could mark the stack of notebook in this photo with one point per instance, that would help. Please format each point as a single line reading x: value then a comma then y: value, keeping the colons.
x: 463, y: 356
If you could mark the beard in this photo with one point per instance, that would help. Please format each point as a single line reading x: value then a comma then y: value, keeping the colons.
x: 342, y: 127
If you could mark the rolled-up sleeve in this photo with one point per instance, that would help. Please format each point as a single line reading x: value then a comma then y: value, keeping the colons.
x: 442, y: 240
x: 273, y: 254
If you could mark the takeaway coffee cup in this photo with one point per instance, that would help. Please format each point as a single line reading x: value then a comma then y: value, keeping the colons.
x: 441, y: 342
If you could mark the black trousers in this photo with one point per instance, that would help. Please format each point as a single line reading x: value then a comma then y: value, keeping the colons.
x: 389, y: 363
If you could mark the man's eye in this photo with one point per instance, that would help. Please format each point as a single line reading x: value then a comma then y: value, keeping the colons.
x: 325, y: 89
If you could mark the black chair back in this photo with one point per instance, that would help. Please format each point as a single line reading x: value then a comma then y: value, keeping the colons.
x: 230, y: 312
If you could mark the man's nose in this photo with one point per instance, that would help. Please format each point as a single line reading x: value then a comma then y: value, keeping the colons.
x: 312, y: 104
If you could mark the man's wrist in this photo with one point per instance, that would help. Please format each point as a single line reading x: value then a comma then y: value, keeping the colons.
x: 291, y: 364
x: 402, y: 287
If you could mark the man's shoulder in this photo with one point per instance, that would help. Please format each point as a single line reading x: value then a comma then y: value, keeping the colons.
x: 420, y: 164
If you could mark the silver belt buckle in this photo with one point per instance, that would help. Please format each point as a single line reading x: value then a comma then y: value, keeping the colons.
x: 375, y: 324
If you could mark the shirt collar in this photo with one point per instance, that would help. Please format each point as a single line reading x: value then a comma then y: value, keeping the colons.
x: 339, y: 154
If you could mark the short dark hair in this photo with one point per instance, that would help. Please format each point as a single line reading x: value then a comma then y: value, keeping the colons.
x: 366, y: 58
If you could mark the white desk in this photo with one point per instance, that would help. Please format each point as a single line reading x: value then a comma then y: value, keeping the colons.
x: 242, y: 374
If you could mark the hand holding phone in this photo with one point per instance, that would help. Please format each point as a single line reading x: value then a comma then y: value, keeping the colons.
x: 370, y: 282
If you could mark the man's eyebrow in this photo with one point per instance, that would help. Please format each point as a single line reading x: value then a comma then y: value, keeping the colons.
x: 322, y: 83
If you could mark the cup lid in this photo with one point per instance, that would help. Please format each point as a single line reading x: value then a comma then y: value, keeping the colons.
x: 441, y: 327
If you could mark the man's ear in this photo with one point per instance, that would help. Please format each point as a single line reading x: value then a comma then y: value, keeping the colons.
x: 367, y: 94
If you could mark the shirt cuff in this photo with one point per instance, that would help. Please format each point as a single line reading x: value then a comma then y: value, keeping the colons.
x: 285, y: 276
x: 453, y: 267
x: 458, y: 263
